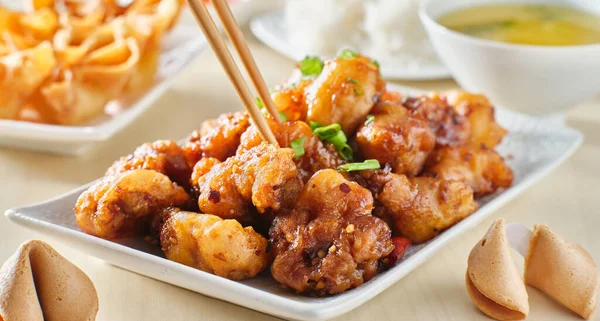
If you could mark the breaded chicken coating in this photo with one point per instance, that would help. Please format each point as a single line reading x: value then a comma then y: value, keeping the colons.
x: 483, y: 169
x: 163, y: 156
x: 262, y: 179
x: 209, y: 243
x: 329, y: 242
x: 394, y: 136
x: 122, y: 205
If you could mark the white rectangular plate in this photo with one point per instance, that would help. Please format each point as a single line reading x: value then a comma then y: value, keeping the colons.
x: 532, y: 149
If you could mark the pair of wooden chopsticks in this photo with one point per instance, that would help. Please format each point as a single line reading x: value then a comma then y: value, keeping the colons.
x: 213, y: 36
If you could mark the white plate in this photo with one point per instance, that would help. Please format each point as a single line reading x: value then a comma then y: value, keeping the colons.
x: 271, y: 30
x: 532, y: 148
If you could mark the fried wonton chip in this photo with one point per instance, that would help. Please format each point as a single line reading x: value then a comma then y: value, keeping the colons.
x: 63, y: 61
x: 39, y: 25
x: 21, y: 73
x: 79, y: 93
x: 147, y: 21
x: 82, y: 17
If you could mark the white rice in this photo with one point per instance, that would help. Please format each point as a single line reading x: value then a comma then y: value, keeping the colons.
x: 388, y: 30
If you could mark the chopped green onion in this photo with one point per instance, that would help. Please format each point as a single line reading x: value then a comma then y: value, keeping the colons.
x: 375, y: 62
x: 314, y: 125
x: 311, y: 66
x: 347, y: 54
x: 282, y: 116
x: 370, y: 119
x: 338, y: 139
x: 259, y: 103
x: 261, y: 106
x: 352, y: 81
x: 358, y: 92
x: 327, y: 132
x: 368, y: 164
x: 345, y: 151
x: 298, y: 147
x: 333, y: 134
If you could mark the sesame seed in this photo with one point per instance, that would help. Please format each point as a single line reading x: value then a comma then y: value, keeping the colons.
x: 321, y: 254
x: 350, y: 228
x: 320, y: 284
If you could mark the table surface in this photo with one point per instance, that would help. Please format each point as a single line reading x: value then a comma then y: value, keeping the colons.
x: 565, y: 200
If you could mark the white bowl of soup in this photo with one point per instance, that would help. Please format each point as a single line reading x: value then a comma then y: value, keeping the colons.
x: 536, y: 56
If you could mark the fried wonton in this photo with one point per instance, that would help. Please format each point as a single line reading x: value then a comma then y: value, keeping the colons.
x: 21, y: 73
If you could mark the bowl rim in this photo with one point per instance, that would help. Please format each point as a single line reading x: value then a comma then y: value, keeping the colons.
x: 429, y: 21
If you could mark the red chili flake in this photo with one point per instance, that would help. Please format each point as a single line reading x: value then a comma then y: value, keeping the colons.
x: 401, y: 244
x: 214, y: 196
x: 345, y: 188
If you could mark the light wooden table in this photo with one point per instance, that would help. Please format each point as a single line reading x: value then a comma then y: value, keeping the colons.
x: 566, y: 200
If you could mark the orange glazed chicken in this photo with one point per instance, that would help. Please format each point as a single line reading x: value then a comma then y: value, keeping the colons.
x: 329, y: 242
x: 214, y: 245
x: 122, y: 204
x: 393, y: 136
x: 359, y: 174
x: 479, y: 167
x: 262, y: 179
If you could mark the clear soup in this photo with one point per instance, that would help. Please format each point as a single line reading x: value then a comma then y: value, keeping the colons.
x: 541, y: 25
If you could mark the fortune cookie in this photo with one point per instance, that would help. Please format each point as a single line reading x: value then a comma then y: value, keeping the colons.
x: 563, y: 270
x: 38, y: 284
x: 493, y: 281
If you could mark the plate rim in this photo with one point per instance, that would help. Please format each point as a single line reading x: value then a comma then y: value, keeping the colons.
x: 271, y: 40
x: 275, y: 304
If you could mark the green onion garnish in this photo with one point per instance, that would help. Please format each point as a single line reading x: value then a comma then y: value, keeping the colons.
x: 370, y: 119
x: 352, y: 81
x: 311, y: 66
x: 347, y: 54
x: 368, y: 164
x: 338, y: 139
x: 334, y: 135
x: 261, y: 106
x: 326, y: 132
x: 259, y: 103
x: 282, y: 116
x: 314, y: 125
x: 345, y: 151
x: 358, y: 92
x: 298, y: 147
x: 375, y: 62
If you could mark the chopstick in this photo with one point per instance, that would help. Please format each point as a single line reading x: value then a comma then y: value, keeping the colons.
x: 218, y: 45
x: 241, y: 46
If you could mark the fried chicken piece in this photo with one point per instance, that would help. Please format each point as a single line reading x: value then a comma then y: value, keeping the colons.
x: 450, y: 127
x: 478, y: 110
x: 261, y: 179
x: 344, y: 92
x: 122, y: 205
x: 419, y: 208
x: 291, y: 101
x: 396, y: 138
x: 316, y: 155
x: 480, y: 168
x: 329, y: 242
x: 163, y: 156
x: 218, y: 138
x: 201, y: 168
x: 211, y: 244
